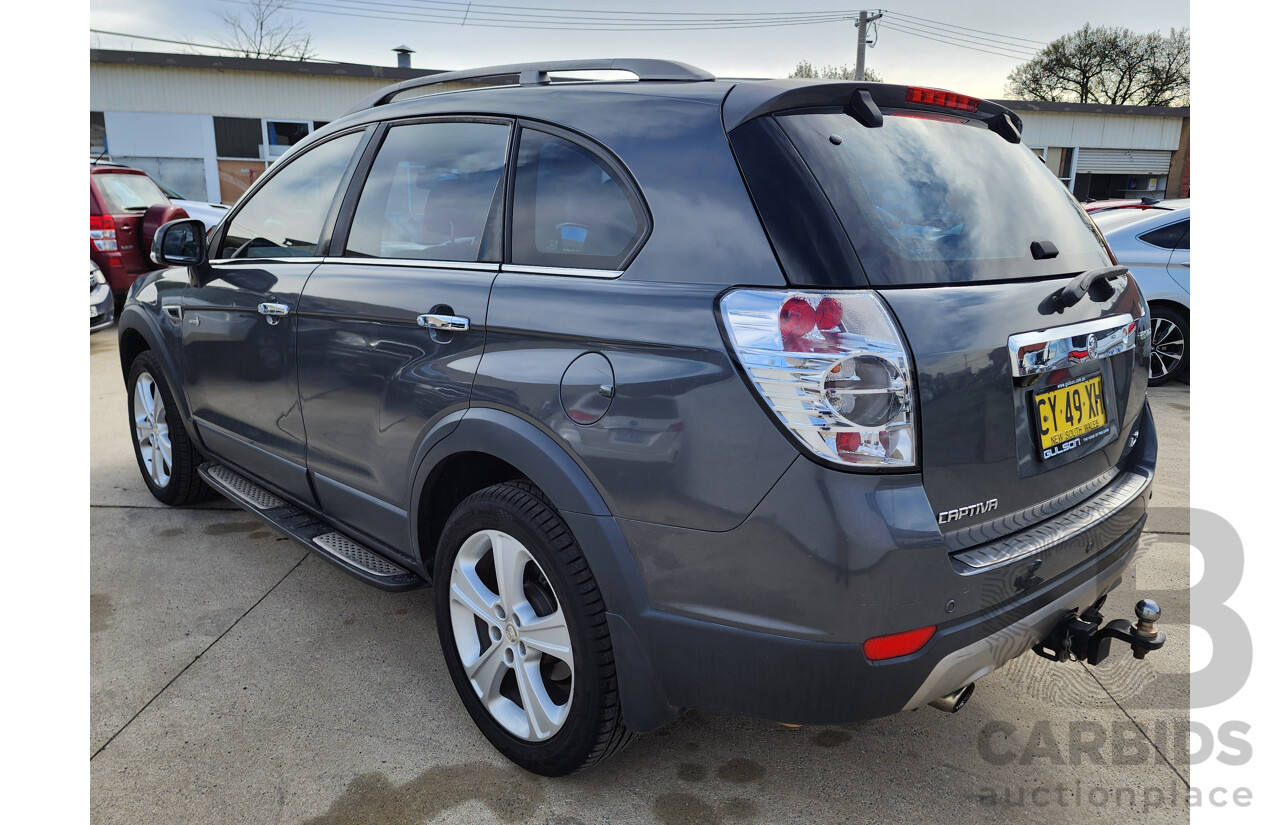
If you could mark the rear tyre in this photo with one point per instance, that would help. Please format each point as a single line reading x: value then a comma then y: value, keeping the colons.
x: 166, y: 457
x: 1170, y: 346
x: 522, y: 626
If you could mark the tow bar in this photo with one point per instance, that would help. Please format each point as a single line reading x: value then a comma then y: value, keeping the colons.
x: 1084, y: 638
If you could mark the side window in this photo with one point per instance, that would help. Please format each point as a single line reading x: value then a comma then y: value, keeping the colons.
x: 1185, y: 241
x: 1169, y: 237
x: 429, y: 192
x: 569, y: 209
x: 284, y: 218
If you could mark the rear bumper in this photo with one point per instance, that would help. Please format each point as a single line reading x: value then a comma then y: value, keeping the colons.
x: 713, y: 667
x: 796, y: 654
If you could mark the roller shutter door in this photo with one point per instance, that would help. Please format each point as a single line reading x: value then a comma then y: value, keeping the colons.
x: 1124, y: 161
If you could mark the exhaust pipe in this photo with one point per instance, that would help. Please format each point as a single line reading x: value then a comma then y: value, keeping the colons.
x: 953, y: 701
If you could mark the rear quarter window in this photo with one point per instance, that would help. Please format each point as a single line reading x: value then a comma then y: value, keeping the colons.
x: 1174, y: 236
x: 931, y: 200
x: 570, y: 207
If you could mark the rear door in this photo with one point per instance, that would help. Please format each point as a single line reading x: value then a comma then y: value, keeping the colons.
x: 239, y: 324
x: 1024, y: 405
x: 392, y: 325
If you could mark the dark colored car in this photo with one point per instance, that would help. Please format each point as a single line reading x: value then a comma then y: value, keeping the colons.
x: 125, y: 209
x: 810, y: 401
x: 102, y: 307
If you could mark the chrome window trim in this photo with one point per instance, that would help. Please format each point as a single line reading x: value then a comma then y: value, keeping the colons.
x: 1112, y: 333
x: 478, y: 266
x: 569, y: 271
x: 279, y: 260
x: 1118, y: 495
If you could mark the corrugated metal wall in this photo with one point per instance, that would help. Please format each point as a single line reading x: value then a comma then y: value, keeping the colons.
x: 1100, y: 131
x: 1124, y: 161
x: 114, y: 87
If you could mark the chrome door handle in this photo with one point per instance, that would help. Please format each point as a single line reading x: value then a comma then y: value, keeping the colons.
x: 1186, y: 263
x: 274, y: 312
x: 445, y: 323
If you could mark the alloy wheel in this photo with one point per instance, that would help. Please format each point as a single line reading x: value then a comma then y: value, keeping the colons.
x: 511, y: 634
x: 152, y: 430
x: 1168, y: 347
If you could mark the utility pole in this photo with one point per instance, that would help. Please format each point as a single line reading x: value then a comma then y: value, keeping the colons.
x: 863, y: 20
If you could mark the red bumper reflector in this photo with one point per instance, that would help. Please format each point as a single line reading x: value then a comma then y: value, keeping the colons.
x: 897, y: 644
x: 947, y: 100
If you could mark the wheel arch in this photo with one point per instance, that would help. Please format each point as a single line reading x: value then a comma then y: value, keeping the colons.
x: 486, y: 447
x: 138, y: 334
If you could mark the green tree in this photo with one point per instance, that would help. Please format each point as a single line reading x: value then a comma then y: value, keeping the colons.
x: 1109, y: 64
x: 806, y: 69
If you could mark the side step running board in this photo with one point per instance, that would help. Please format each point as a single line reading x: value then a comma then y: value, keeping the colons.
x: 318, y: 536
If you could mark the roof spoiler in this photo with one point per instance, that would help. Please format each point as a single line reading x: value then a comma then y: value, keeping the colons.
x: 537, y: 74
x: 861, y: 101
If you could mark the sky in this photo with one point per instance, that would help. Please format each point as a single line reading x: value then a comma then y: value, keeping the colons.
x: 907, y: 49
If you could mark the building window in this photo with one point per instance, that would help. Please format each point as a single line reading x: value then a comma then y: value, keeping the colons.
x: 97, y: 134
x: 238, y: 137
x: 281, y: 134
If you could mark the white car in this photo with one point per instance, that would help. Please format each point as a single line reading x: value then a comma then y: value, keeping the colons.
x: 207, y: 213
x: 1155, y: 244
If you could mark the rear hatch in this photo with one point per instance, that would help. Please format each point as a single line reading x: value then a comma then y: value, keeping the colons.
x: 1024, y: 406
x: 126, y: 195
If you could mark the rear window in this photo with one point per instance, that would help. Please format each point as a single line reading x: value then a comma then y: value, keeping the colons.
x: 931, y: 201
x: 129, y: 193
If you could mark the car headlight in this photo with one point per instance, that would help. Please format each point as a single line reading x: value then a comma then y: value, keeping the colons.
x: 96, y: 278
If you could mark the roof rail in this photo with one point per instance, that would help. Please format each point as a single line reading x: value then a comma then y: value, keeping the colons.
x: 536, y: 74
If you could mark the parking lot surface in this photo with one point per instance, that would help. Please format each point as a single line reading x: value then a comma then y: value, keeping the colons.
x: 237, y: 678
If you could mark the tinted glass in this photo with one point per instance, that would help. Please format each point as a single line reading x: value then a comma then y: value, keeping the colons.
x: 129, y: 193
x: 285, y: 217
x: 429, y: 192
x: 937, y: 201
x: 569, y: 209
x: 1171, y: 236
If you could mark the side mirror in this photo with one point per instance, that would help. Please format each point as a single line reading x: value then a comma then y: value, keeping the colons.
x: 180, y: 243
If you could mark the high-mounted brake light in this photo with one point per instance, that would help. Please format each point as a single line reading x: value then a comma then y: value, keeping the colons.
x: 938, y: 97
x: 897, y: 644
x: 102, y: 232
x: 832, y: 367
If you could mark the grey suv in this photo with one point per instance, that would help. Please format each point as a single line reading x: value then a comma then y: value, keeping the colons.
x: 810, y: 401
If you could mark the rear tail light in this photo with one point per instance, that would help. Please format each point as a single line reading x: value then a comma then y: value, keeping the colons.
x: 102, y: 232
x: 833, y: 368
x: 938, y: 97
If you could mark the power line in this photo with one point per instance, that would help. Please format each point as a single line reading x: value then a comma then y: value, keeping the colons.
x: 959, y: 40
x: 978, y: 40
x: 401, y: 13
x: 192, y: 45
x: 957, y: 45
x: 980, y: 31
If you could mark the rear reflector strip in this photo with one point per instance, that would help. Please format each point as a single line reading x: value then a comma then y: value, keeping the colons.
x: 938, y: 97
x: 897, y: 644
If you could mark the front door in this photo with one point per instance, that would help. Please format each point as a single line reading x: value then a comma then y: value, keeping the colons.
x: 391, y: 326
x: 239, y: 325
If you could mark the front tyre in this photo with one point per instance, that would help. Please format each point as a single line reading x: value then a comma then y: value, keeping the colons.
x: 166, y: 456
x: 522, y: 626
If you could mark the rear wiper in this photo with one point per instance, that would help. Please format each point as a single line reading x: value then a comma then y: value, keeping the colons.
x: 1071, y: 294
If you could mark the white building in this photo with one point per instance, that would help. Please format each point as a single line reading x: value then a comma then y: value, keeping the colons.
x: 1103, y: 152
x: 207, y: 126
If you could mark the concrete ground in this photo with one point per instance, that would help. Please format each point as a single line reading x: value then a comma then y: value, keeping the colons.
x: 237, y: 678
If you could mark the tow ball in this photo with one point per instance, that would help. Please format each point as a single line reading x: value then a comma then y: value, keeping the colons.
x: 1084, y: 638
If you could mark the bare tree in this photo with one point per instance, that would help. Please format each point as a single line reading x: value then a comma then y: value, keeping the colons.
x: 262, y: 30
x: 1109, y: 65
x: 806, y: 69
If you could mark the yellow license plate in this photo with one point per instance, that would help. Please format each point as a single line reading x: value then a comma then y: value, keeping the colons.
x: 1070, y: 410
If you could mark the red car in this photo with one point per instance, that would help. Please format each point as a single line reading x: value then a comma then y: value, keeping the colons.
x: 125, y: 209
